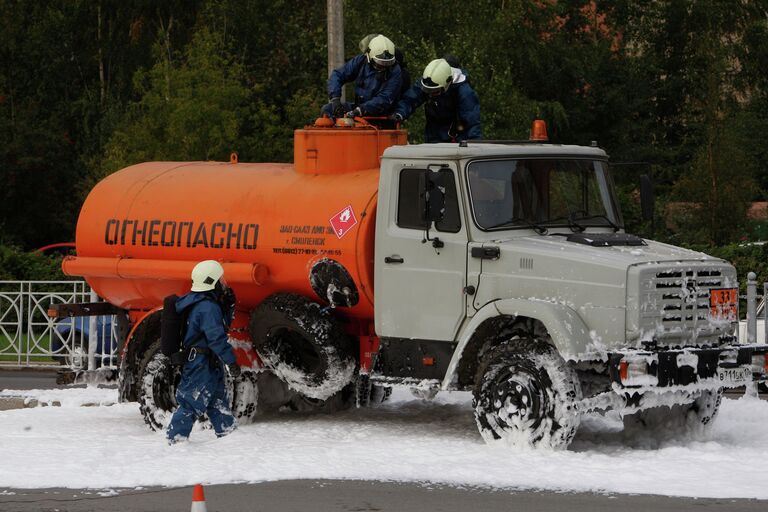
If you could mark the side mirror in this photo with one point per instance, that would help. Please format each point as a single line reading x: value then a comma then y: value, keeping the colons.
x: 647, y: 198
x: 431, y: 196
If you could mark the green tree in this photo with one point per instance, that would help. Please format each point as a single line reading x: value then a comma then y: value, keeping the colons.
x: 720, y: 179
x: 192, y: 105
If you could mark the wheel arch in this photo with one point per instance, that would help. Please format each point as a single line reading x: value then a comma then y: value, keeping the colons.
x: 565, y: 327
x: 145, y: 331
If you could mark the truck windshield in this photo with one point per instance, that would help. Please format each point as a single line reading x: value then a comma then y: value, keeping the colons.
x: 542, y: 193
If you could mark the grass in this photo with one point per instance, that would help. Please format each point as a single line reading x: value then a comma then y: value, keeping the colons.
x: 8, y: 353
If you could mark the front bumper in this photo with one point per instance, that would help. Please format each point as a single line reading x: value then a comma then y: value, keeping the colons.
x: 722, y: 367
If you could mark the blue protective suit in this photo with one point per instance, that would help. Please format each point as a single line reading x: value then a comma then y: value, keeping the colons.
x: 451, y: 116
x: 376, y: 92
x: 202, y: 390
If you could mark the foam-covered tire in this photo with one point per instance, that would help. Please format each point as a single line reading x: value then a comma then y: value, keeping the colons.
x: 245, y: 397
x: 525, y: 395
x: 303, y: 345
x: 157, y: 391
x: 694, y: 418
x: 158, y: 381
x: 75, y: 358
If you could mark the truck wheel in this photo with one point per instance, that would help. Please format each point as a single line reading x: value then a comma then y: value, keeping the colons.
x: 157, y: 387
x: 679, y: 420
x: 77, y: 357
x: 303, y: 345
x: 370, y: 394
x: 245, y: 397
x: 380, y: 394
x: 157, y: 392
x: 339, y: 401
x: 525, y: 395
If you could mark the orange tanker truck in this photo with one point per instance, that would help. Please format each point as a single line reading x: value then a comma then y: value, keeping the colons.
x: 500, y: 268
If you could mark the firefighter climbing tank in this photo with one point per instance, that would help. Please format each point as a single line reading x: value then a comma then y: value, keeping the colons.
x: 306, y: 227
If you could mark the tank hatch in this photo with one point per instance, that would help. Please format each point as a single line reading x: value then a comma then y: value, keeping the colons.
x: 347, y: 146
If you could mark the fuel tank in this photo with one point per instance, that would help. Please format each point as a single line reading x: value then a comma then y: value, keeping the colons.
x: 305, y: 228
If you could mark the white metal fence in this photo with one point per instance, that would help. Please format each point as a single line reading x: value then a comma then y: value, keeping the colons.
x: 29, y: 338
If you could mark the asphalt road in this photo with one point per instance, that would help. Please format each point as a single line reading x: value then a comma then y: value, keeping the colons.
x: 28, y: 379
x: 354, y: 495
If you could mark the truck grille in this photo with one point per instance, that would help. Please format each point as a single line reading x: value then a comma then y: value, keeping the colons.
x: 684, y: 296
x: 675, y: 303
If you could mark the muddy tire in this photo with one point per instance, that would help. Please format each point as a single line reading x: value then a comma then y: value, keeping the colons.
x: 303, y: 345
x: 667, y: 423
x: 525, y: 395
x: 158, y: 380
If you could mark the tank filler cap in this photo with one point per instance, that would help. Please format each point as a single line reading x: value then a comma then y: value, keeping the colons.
x: 324, y: 122
x: 333, y: 283
x: 345, y: 122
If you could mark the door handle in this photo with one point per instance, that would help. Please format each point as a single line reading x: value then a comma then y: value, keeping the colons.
x: 486, y: 253
x: 393, y: 259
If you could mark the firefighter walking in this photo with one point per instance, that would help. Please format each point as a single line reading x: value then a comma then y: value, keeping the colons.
x: 208, y: 309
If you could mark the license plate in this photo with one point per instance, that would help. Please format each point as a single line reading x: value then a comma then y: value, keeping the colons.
x: 737, y: 376
x: 724, y: 304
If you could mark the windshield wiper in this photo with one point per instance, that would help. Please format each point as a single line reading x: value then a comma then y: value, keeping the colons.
x: 572, y: 224
x: 604, y: 217
x: 525, y: 222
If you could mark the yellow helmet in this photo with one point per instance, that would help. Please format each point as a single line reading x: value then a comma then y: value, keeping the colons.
x: 381, y: 51
x: 437, y: 77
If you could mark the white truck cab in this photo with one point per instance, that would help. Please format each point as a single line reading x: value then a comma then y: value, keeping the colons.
x: 505, y: 269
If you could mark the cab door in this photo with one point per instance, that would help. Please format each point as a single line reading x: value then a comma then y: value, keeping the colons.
x: 420, y: 266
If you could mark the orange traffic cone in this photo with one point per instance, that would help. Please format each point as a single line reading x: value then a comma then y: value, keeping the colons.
x: 198, y: 499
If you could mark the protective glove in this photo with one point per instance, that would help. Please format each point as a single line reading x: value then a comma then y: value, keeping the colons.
x: 234, y: 370
x: 354, y: 113
x: 336, y: 107
x: 396, y: 117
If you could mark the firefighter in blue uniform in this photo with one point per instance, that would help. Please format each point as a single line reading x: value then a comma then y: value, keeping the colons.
x: 377, y: 78
x: 451, y: 105
x: 209, y: 309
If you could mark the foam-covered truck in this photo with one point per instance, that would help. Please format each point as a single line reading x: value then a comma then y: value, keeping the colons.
x: 496, y: 267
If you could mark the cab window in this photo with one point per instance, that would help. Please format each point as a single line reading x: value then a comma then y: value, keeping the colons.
x: 411, y: 202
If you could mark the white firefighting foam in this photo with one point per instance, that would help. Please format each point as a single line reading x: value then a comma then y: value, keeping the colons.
x: 405, y: 439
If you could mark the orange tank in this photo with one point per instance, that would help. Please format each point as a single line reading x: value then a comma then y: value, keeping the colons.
x: 303, y: 228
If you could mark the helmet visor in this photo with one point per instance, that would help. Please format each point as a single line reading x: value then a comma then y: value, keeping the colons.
x: 430, y: 87
x: 384, y: 60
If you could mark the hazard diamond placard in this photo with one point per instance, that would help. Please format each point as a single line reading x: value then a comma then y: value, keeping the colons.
x: 343, y: 221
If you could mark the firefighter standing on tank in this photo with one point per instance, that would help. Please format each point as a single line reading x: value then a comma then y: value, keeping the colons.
x: 451, y: 105
x: 209, y: 309
x: 377, y: 77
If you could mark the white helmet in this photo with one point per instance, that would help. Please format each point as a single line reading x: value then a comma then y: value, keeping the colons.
x: 381, y: 51
x: 205, y: 275
x: 365, y: 42
x: 437, y: 77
